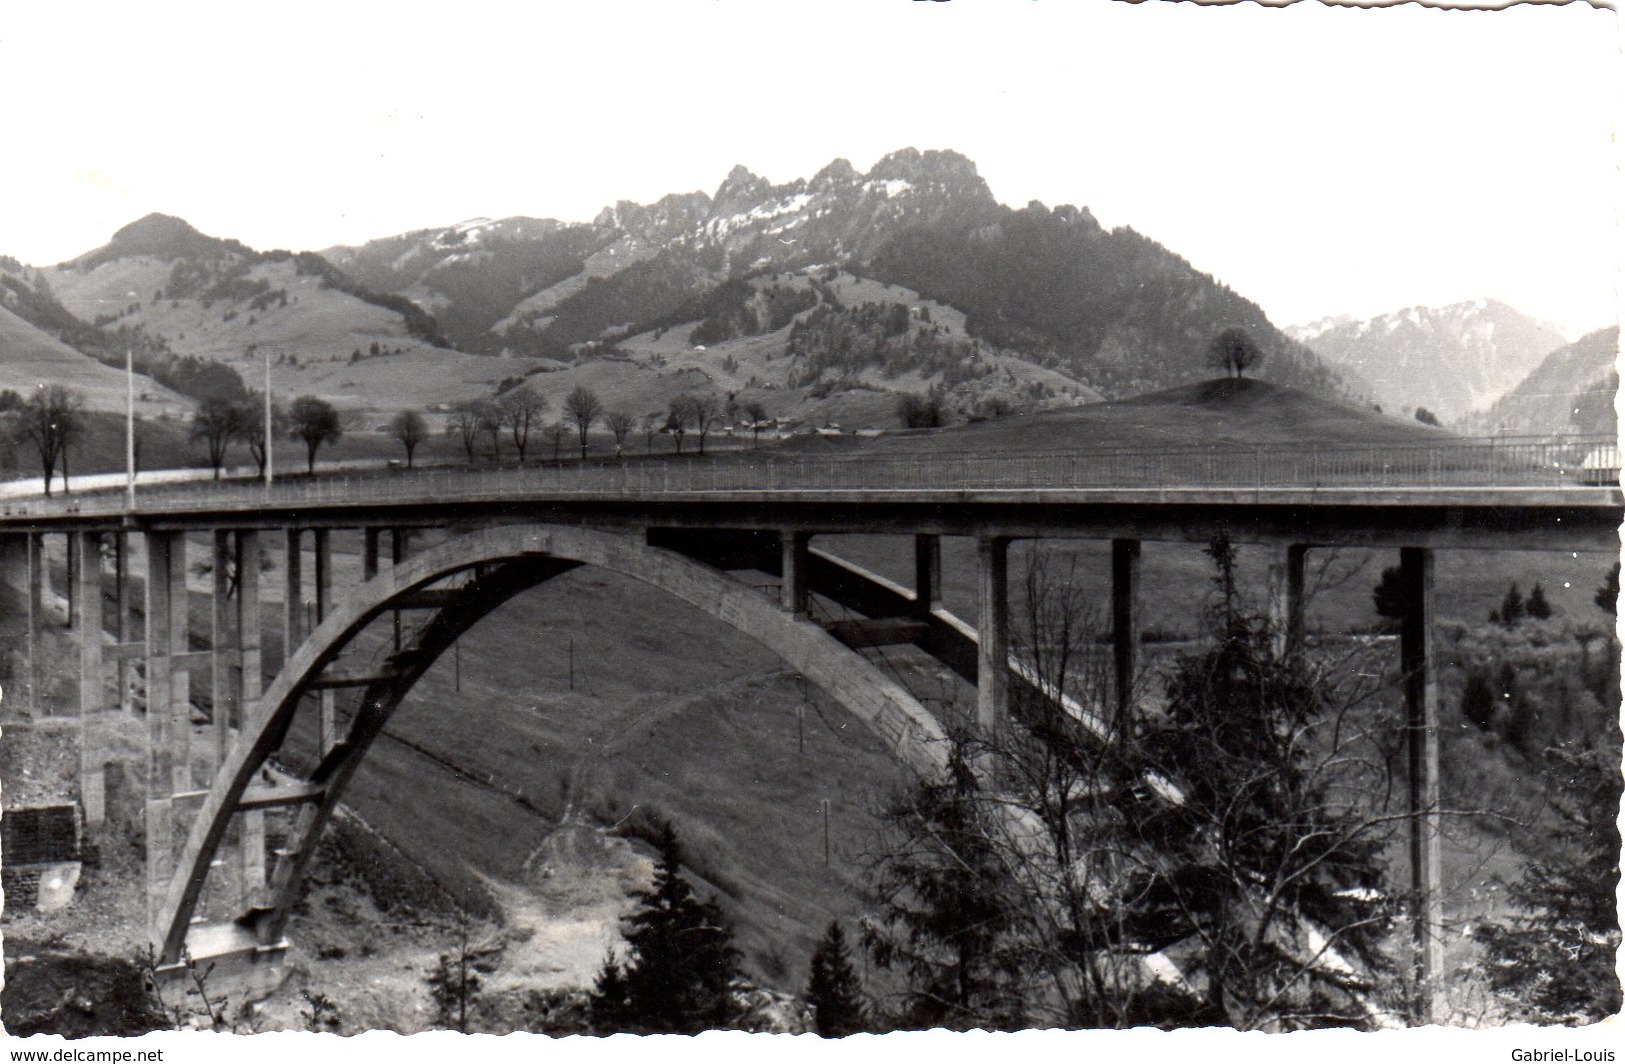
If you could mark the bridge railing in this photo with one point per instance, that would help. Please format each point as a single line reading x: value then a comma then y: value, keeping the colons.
x: 1461, y: 463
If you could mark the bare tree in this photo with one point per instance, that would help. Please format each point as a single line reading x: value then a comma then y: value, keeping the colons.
x: 217, y: 422
x: 51, y: 421
x: 1234, y: 351
x: 490, y: 419
x: 651, y: 425
x: 620, y: 425
x: 680, y: 413
x: 251, y: 421
x: 758, y: 419
x: 582, y: 407
x: 555, y: 432
x: 410, y: 429
x: 706, y: 410
x: 464, y: 426
x: 521, y: 409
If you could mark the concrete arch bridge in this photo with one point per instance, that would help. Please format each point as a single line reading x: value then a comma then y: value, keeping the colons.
x: 218, y: 890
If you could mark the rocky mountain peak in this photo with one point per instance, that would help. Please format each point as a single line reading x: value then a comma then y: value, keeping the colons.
x: 837, y: 175
x: 740, y: 189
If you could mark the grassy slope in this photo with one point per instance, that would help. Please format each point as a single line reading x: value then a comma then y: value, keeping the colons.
x: 321, y: 326
x: 30, y: 357
x: 1221, y: 413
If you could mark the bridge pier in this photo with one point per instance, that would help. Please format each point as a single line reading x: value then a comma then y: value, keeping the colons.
x: 1125, y: 625
x: 92, y: 693
x: 327, y: 710
x: 793, y: 574
x: 160, y: 727
x: 250, y: 682
x: 993, y: 635
x: 37, y: 582
x: 927, y: 573
x: 121, y: 623
x: 1422, y: 750
x: 1286, y: 599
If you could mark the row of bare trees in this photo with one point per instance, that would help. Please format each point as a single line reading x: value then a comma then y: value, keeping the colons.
x: 519, y: 412
x: 220, y: 421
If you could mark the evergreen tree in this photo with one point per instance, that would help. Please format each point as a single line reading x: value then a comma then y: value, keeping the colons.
x: 948, y: 908
x: 1512, y: 607
x: 1536, y: 606
x: 680, y: 964
x: 454, y: 985
x: 1389, y: 595
x: 1554, y: 961
x: 1259, y: 861
x: 833, y: 989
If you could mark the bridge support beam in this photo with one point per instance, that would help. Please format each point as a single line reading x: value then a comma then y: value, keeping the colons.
x: 369, y: 552
x: 1286, y: 600
x: 327, y: 717
x: 993, y: 635
x: 1422, y: 734
x: 250, y: 681
x: 1125, y: 624
x: 160, y: 822
x: 121, y: 625
x: 222, y: 650
x: 37, y: 583
x: 92, y: 693
x: 70, y: 570
x: 927, y: 573
x: 180, y: 675
x: 793, y: 573
x: 293, y: 596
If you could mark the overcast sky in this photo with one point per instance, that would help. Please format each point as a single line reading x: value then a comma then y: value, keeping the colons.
x: 1318, y: 161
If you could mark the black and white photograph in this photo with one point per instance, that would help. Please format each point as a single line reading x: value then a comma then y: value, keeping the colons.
x: 817, y: 520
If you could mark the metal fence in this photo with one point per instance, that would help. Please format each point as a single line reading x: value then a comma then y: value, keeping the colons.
x: 1488, y: 463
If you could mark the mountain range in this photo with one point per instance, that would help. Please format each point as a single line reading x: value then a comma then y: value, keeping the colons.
x: 1448, y: 360
x: 822, y: 299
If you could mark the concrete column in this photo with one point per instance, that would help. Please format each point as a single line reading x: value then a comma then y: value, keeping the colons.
x: 927, y: 573
x: 251, y: 825
x: 180, y: 642
x: 1422, y: 733
x: 324, y: 572
x: 37, y: 582
x: 14, y: 559
x: 70, y: 570
x: 223, y: 649
x: 993, y: 634
x: 397, y: 555
x: 1126, y: 624
x: 92, y: 694
x: 249, y: 639
x: 160, y: 727
x: 121, y: 607
x: 793, y: 571
x: 293, y: 606
x: 328, y: 710
x: 1286, y: 600
x: 369, y: 552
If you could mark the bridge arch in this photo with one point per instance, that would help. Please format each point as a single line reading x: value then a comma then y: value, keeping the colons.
x: 503, y: 561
